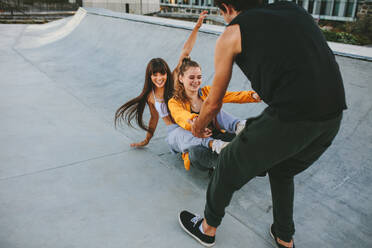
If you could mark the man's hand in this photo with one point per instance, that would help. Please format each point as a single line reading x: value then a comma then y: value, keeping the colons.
x: 197, y: 132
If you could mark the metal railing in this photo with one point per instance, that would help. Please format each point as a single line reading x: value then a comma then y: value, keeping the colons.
x: 341, y: 10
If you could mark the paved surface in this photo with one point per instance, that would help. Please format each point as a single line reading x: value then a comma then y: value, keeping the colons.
x: 69, y: 179
x: 360, y: 52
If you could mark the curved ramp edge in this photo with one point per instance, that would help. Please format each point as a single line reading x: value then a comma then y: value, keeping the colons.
x: 37, y: 36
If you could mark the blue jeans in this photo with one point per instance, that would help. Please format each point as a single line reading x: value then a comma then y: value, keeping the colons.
x: 179, y: 139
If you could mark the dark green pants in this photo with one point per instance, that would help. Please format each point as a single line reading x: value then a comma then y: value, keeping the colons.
x: 284, y: 149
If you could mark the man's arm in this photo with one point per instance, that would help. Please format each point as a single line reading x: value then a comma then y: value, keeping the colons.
x: 227, y: 47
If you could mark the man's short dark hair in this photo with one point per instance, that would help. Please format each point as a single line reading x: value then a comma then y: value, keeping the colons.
x: 238, y: 5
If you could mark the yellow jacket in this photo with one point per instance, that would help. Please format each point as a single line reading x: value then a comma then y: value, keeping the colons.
x: 181, y: 112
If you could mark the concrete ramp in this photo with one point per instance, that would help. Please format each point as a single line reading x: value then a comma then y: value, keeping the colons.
x: 40, y: 35
x: 69, y: 179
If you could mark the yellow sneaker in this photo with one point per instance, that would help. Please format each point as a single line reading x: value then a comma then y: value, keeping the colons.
x: 186, y: 160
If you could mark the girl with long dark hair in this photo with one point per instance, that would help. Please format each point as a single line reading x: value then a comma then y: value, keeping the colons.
x: 156, y: 92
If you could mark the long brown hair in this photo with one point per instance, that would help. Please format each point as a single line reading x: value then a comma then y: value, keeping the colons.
x: 179, y: 89
x: 134, y: 108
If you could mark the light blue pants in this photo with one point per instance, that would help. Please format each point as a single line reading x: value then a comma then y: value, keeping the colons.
x: 179, y: 139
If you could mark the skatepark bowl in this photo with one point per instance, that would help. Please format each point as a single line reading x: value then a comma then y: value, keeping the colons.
x: 68, y: 178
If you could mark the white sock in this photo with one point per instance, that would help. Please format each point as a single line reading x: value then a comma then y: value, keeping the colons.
x: 201, y: 228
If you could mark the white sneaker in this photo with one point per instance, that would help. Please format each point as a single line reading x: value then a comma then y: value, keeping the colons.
x: 218, y: 145
x: 240, y: 126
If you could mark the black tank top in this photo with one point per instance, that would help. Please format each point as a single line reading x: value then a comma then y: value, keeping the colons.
x: 288, y: 61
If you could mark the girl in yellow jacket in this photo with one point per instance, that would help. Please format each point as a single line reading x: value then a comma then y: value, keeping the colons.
x: 185, y: 105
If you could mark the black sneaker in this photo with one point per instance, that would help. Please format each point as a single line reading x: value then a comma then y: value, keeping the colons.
x: 273, y: 235
x: 190, y: 223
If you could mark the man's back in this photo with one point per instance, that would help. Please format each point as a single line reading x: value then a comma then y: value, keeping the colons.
x: 289, y: 63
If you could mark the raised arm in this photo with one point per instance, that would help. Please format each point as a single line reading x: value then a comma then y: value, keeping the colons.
x: 152, y: 126
x: 189, y: 44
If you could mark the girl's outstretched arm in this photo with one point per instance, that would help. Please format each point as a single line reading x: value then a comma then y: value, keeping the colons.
x: 244, y: 96
x: 152, y: 126
x: 189, y: 44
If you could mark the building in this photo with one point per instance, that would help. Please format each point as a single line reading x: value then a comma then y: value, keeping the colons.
x: 127, y: 6
x: 338, y: 10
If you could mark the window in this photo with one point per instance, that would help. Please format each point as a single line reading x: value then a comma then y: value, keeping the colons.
x: 349, y: 8
x: 325, y: 7
x: 336, y: 8
x: 310, y: 8
x: 300, y: 3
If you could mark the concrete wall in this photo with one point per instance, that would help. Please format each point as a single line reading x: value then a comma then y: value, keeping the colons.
x: 126, y: 6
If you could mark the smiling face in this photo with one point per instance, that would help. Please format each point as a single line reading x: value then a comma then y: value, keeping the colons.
x: 159, y: 79
x: 191, y: 79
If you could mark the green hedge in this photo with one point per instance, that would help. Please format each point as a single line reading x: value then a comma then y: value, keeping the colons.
x: 342, y: 37
x: 358, y: 32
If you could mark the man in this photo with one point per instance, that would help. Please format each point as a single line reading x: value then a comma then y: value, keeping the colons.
x: 285, y: 56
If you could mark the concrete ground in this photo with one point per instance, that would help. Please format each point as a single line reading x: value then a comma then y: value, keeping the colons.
x: 68, y: 178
